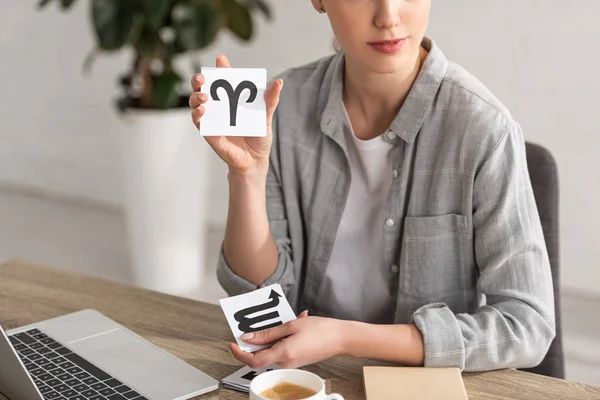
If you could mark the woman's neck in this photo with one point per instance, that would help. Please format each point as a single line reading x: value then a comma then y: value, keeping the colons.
x: 373, y: 100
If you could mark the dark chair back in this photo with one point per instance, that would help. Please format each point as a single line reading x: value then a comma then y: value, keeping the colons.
x: 544, y: 179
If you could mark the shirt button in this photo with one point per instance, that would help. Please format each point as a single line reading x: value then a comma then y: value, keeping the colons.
x: 389, y: 222
x: 394, y: 269
x: 395, y: 173
x: 391, y: 135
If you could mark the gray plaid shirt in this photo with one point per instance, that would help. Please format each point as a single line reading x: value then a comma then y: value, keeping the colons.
x: 463, y: 247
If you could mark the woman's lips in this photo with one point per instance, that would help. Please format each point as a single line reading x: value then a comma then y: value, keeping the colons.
x: 388, y: 46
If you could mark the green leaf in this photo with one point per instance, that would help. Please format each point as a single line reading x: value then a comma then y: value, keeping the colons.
x: 113, y: 21
x: 196, y: 26
x: 155, y: 11
x: 262, y: 7
x: 165, y: 93
x: 43, y: 3
x: 89, y: 60
x: 66, y: 4
x: 239, y: 20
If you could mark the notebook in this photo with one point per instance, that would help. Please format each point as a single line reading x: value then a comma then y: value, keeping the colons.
x: 393, y: 383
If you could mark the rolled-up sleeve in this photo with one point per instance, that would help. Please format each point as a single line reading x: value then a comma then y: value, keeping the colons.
x: 284, y: 275
x: 233, y: 284
x: 515, y: 327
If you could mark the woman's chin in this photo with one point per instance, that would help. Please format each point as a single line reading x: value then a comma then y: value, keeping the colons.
x: 390, y: 65
x: 381, y: 63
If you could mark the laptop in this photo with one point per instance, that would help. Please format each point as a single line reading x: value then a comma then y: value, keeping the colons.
x: 87, y: 356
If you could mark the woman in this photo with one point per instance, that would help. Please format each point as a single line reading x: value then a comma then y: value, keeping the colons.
x: 389, y: 195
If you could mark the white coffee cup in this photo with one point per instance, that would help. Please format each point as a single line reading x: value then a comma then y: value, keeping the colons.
x: 298, y: 377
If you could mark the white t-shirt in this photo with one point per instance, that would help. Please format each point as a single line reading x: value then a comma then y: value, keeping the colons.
x: 356, y: 261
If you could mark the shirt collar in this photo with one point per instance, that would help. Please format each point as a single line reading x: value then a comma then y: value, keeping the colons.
x: 410, y: 118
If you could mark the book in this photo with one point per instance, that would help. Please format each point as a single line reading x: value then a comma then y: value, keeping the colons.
x: 415, y: 383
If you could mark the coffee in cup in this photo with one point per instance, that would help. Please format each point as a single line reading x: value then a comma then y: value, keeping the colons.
x: 287, y: 391
x: 289, y: 384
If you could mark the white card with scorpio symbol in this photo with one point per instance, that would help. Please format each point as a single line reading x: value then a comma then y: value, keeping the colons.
x: 260, y: 309
x: 236, y: 102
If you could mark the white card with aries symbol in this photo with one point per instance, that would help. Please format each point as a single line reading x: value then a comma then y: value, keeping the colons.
x: 236, y: 102
x: 260, y: 309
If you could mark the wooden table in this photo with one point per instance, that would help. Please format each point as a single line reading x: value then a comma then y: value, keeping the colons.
x: 199, y: 334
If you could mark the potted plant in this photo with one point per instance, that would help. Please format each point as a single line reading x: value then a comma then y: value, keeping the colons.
x: 165, y: 159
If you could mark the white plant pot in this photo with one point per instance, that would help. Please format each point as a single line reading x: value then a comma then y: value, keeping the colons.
x: 166, y: 181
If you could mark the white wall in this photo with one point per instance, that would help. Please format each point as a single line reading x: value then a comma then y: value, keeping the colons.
x: 60, y: 132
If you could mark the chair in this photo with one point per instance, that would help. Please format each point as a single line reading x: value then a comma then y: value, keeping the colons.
x: 544, y: 179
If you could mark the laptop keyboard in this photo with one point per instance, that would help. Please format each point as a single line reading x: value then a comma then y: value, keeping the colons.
x: 61, y: 374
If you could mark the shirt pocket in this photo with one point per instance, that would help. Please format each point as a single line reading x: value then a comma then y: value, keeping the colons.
x: 436, y: 260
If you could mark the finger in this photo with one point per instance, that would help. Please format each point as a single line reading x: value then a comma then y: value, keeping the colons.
x: 303, y: 314
x: 268, y: 335
x: 241, y: 356
x: 197, y: 114
x: 260, y: 358
x: 222, y: 61
x: 197, y: 99
x: 197, y: 82
x: 272, y: 99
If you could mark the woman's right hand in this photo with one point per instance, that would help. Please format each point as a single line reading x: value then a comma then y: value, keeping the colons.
x: 242, y: 154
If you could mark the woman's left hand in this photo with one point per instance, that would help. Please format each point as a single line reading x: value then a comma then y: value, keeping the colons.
x: 300, y: 342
